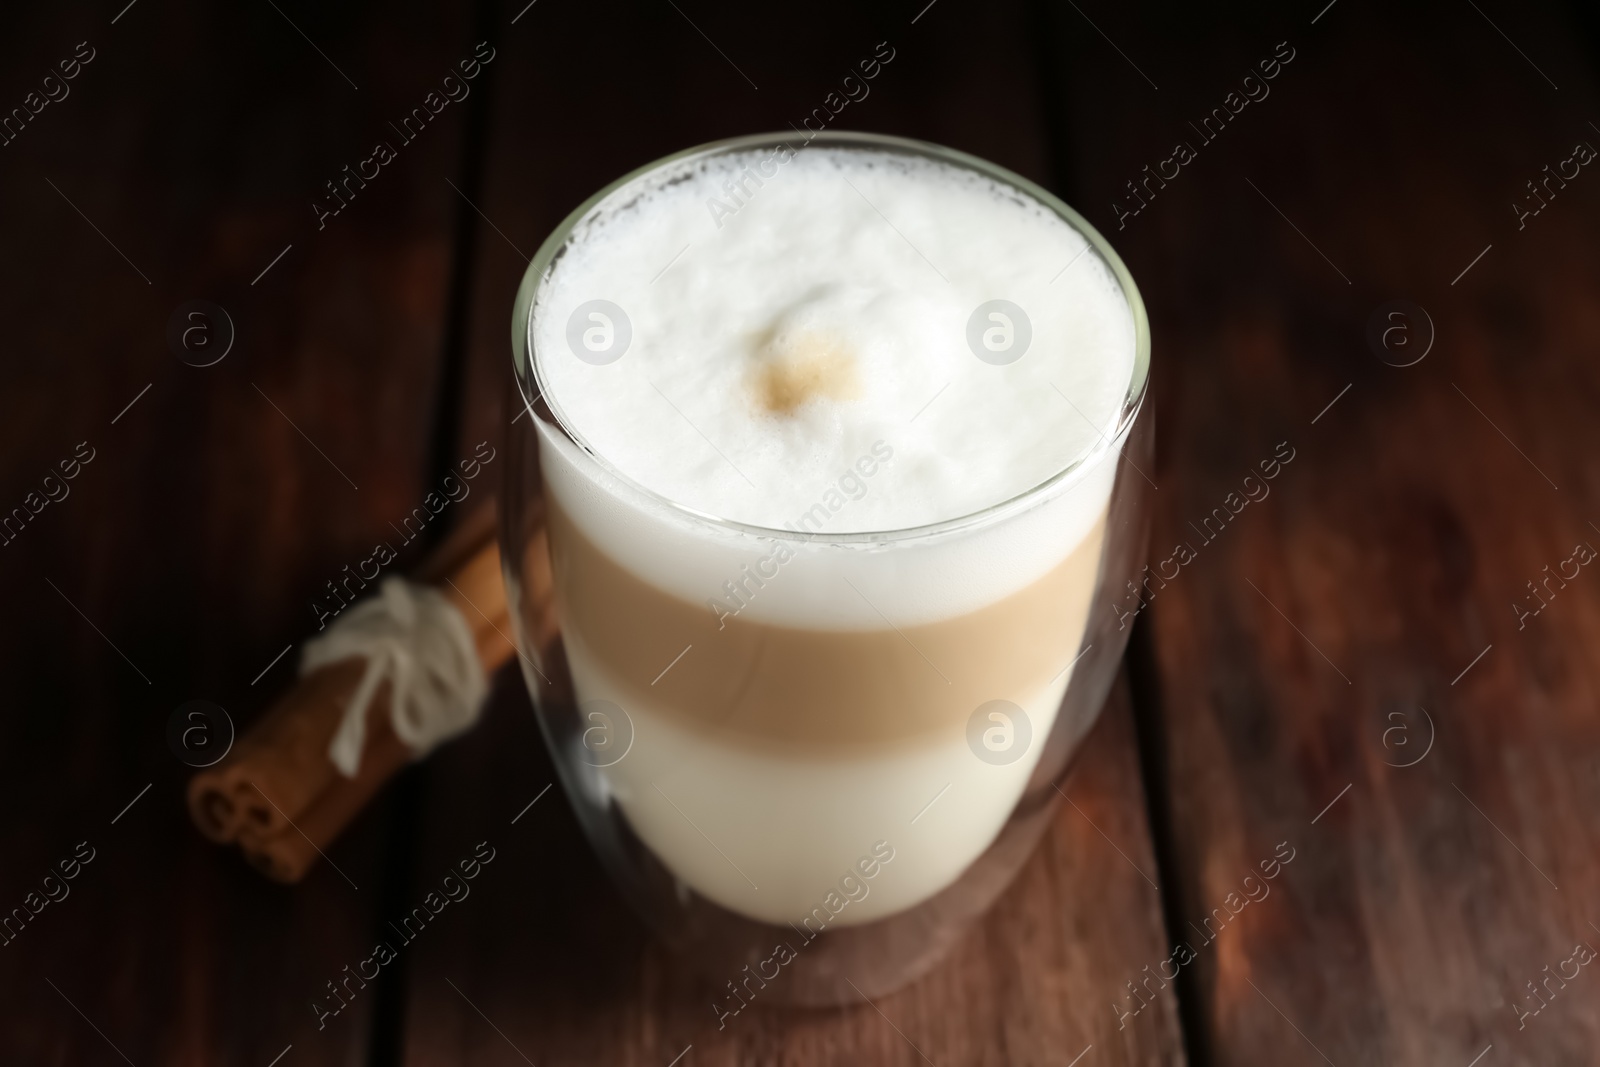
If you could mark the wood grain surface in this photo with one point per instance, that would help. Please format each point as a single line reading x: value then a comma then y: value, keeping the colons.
x: 1356, y: 784
x: 1313, y: 675
x: 183, y: 158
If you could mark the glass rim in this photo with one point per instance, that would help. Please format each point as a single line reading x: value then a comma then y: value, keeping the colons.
x: 525, y: 362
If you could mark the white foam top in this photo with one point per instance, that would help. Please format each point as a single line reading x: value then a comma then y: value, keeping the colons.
x: 853, y: 275
x: 808, y: 348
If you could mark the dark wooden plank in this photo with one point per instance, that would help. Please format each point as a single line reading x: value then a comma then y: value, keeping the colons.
x: 545, y: 949
x: 190, y: 548
x: 1331, y: 632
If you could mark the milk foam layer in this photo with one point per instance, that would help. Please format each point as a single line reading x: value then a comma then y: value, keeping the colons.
x: 779, y: 351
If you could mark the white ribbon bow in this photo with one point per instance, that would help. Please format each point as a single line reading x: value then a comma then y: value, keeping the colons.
x: 414, y: 639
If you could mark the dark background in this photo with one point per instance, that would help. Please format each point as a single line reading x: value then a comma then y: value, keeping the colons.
x: 1293, y: 659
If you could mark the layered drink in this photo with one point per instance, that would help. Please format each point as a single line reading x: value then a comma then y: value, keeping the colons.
x: 827, y: 443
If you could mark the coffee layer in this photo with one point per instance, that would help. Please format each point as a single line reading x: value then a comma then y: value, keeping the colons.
x: 815, y: 690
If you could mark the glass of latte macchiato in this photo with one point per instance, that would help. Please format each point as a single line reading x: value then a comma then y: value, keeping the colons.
x: 825, y: 495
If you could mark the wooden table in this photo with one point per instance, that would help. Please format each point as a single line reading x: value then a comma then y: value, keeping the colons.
x: 1342, y: 675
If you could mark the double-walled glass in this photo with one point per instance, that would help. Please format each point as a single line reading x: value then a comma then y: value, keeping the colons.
x: 812, y: 814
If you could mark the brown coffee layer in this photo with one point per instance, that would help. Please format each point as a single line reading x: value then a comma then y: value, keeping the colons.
x: 815, y: 689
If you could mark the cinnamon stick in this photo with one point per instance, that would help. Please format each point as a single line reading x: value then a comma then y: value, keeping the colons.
x: 277, y: 793
x: 287, y: 856
x: 280, y: 765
